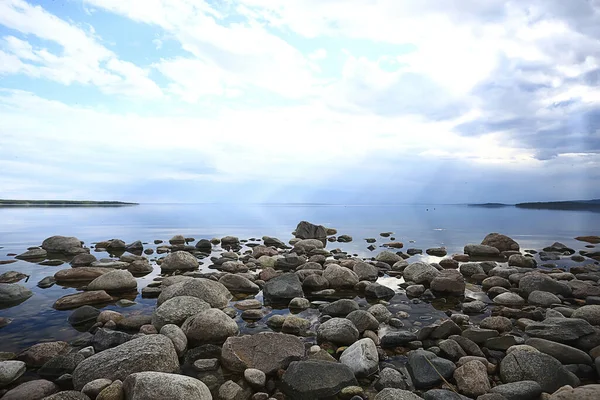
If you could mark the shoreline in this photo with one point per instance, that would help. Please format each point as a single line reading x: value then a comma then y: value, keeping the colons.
x: 326, y: 296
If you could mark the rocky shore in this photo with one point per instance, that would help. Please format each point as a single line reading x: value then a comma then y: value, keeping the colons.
x: 266, y: 319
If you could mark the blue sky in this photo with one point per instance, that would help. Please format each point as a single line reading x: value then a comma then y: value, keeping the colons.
x: 338, y: 101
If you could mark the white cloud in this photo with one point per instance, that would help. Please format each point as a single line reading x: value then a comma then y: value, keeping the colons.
x: 82, y: 60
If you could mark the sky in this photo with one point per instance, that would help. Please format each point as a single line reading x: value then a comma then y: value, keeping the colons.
x: 275, y: 101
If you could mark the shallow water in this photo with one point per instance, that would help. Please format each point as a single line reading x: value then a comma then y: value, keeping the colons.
x: 428, y: 226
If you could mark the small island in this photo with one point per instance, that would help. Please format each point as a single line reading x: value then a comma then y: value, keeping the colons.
x: 593, y: 205
x: 63, y: 203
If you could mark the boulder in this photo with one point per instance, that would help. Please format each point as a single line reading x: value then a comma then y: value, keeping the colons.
x: 32, y: 390
x: 177, y: 309
x: 362, y: 358
x: 92, y: 389
x: 521, y: 261
x: 365, y: 272
x: 544, y: 299
x: 338, y: 330
x: 563, y: 353
x: 83, y: 315
x: 501, y: 242
x: 482, y: 251
x: 147, y: 353
x: 114, y: 281
x: 397, y: 339
x: 306, y: 230
x: 80, y: 299
x: 177, y: 336
x: 340, y: 308
x: 307, y: 380
x: 159, y: 385
x: 105, y: 339
x: 398, y: 394
x: 12, y: 294
x: 61, y: 244
x: 210, y: 326
x: 587, y: 392
x: 562, y: 330
x: 266, y: 351
x: 541, y: 368
x: 38, y: 354
x: 340, y: 277
x: 472, y: 379
x: 388, y: 257
x: 363, y: 320
x: 449, y: 281
x: 214, y: 293
x: 239, y: 284
x: 282, y: 289
x: 60, y: 365
x: 425, y: 375
x: 10, y: 371
x: 179, y: 261
x: 308, y: 246
x: 590, y: 313
x: 374, y: 290
x: 33, y: 254
x: 542, y: 282
x: 67, y: 395
x: 509, y: 299
x: 523, y: 390
x: 420, y: 272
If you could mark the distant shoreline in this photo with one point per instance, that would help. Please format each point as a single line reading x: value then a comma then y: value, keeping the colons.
x: 63, y: 203
x: 590, y: 205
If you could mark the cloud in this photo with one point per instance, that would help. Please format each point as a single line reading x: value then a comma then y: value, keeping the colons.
x: 82, y: 59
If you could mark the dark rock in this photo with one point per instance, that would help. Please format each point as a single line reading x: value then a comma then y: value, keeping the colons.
x: 282, y: 289
x: 307, y: 380
x: 340, y: 308
x: 83, y: 314
x: 563, y: 353
x: 306, y: 230
x: 60, y: 365
x: 544, y: 283
x: 562, y: 330
x: 32, y: 390
x: 375, y: 290
x: 423, y: 374
x: 391, y: 378
x: 501, y: 242
x: 38, y: 354
x: 397, y: 339
x: 524, y: 390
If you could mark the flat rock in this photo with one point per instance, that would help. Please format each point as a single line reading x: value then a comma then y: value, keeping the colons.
x: 542, y: 282
x: 147, y: 353
x: 12, y: 277
x: 264, y: 351
x: 562, y: 330
x: 80, y: 299
x: 81, y: 274
x: 159, y: 385
x: 340, y: 308
x: 308, y: 380
x: 38, y: 354
x: 67, y: 395
x: 239, y: 284
x: 61, y: 244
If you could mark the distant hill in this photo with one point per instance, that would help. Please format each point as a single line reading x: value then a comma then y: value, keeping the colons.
x: 563, y: 205
x: 490, y: 205
x: 64, y: 203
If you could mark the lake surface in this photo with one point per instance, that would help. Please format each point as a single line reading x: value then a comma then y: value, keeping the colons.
x: 427, y: 225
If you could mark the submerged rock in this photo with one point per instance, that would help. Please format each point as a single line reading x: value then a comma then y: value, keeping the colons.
x: 80, y: 299
x: 12, y: 294
x: 306, y: 380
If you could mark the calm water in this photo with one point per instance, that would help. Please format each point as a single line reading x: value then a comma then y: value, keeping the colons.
x: 428, y: 226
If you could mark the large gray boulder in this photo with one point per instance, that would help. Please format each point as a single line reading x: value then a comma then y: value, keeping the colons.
x: 590, y: 313
x: 214, y: 293
x: 449, y: 281
x: 542, y: 282
x: 266, y: 351
x: 282, y: 289
x: 147, y: 353
x: 340, y: 277
x: 61, y: 244
x: 362, y: 358
x: 179, y: 261
x: 306, y: 230
x: 114, y: 281
x: 12, y: 294
x: 32, y: 390
x: 340, y: 331
x: 177, y: 310
x: 501, y: 242
x: 420, y: 272
x: 210, y: 326
x: 308, y: 380
x: 527, y: 366
x: 159, y: 385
